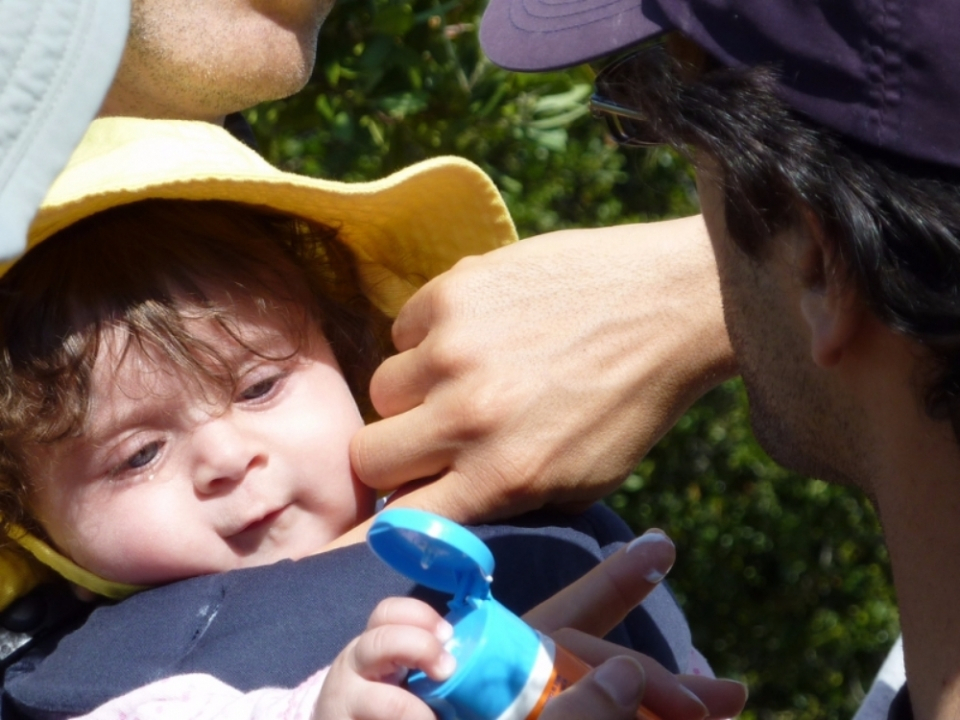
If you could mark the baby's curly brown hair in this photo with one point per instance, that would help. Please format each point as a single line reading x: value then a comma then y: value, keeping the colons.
x: 142, y: 269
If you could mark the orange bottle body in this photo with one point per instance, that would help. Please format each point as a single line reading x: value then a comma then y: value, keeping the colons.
x: 548, y: 679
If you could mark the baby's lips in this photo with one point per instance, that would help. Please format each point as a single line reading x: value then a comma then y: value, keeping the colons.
x: 255, y: 526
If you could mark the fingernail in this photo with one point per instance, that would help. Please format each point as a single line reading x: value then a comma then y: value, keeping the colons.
x: 622, y: 679
x: 444, y: 631
x: 661, y: 551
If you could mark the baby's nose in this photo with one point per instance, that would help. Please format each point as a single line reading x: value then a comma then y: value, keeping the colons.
x: 225, y: 455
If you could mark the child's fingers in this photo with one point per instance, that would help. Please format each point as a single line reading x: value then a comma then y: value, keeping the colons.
x: 408, y: 611
x: 351, y: 697
x: 358, y: 685
x: 383, y: 651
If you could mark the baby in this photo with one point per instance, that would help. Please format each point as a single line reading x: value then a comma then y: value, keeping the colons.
x: 183, y: 411
x: 185, y: 359
x: 172, y: 293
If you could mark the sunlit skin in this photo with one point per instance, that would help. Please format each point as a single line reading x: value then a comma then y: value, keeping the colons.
x: 836, y: 393
x: 167, y: 481
x: 204, y: 59
x: 804, y: 417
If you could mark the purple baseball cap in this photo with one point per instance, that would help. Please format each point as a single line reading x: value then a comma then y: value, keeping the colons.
x: 884, y: 72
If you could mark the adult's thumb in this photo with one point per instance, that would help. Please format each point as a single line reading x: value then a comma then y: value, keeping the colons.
x: 612, y: 691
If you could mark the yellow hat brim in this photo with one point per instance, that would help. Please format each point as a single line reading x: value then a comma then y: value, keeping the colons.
x: 404, y: 229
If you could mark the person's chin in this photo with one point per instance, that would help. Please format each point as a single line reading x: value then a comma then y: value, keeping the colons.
x: 791, y: 449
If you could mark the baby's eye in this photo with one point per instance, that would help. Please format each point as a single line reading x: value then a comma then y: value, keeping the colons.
x: 144, y: 456
x: 261, y: 388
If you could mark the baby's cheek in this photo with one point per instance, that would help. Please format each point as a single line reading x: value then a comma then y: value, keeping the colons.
x: 110, y: 553
x: 138, y: 547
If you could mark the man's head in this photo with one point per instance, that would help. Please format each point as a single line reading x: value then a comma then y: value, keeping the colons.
x: 816, y: 236
x: 829, y: 167
x: 204, y: 59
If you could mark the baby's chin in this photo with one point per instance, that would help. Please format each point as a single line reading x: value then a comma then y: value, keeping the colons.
x: 257, y: 546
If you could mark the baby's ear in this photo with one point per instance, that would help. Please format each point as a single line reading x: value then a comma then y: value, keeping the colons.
x: 829, y: 301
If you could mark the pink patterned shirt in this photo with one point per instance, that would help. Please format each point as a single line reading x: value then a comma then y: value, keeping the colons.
x: 203, y: 697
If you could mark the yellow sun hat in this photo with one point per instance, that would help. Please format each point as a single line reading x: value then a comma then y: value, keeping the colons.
x: 403, y: 229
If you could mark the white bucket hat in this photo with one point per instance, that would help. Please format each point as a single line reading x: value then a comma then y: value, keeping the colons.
x: 57, y: 60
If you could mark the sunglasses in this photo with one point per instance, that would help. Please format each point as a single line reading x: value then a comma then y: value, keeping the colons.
x: 628, y: 126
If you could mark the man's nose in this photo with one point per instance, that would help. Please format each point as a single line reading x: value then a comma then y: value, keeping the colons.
x: 225, y: 454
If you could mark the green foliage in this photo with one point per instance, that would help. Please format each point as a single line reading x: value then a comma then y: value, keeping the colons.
x: 399, y: 82
x: 785, y: 580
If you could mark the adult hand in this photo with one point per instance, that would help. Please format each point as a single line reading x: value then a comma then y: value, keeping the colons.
x: 668, y: 696
x: 601, y: 599
x: 581, y: 613
x: 612, y: 691
x: 541, y: 372
x: 616, y: 689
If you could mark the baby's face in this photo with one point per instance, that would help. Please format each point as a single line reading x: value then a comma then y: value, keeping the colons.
x: 163, y: 484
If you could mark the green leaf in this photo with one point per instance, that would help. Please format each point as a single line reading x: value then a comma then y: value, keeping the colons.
x: 393, y: 19
x: 563, y: 102
x: 402, y: 105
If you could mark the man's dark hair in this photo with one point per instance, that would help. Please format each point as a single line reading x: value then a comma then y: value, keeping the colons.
x: 894, y: 222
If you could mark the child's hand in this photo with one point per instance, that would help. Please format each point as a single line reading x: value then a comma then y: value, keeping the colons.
x: 402, y: 633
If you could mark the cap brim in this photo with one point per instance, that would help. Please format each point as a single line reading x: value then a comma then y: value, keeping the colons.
x: 537, y: 35
x: 57, y: 60
x: 404, y: 229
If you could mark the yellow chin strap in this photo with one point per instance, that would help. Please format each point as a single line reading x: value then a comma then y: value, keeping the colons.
x: 21, y: 572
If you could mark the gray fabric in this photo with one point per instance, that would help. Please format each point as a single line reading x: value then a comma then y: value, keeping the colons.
x: 889, y: 680
x: 57, y: 60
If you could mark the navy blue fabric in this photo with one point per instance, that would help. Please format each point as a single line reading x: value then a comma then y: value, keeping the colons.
x: 900, y: 708
x: 278, y: 624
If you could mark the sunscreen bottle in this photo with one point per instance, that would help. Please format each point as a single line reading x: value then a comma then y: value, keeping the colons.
x: 506, y: 670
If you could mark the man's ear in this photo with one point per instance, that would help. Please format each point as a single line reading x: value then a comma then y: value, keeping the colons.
x: 828, y: 300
